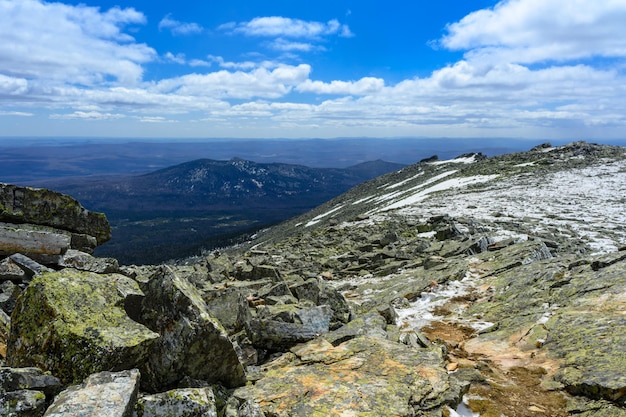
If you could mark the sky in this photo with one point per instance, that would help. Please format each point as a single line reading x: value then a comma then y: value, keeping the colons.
x: 323, y: 69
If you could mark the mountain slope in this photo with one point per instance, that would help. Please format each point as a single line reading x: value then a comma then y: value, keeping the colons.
x: 514, y: 267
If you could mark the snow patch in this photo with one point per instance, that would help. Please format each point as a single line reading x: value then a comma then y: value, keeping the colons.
x: 464, y: 160
x: 317, y: 219
x: 444, y: 185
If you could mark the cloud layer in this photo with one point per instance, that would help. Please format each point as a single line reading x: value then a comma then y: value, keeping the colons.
x: 529, y: 68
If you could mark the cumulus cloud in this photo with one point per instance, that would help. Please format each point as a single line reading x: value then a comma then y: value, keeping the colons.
x: 70, y: 44
x: 276, y: 26
x: 532, y: 31
x: 260, y: 82
x: 179, y: 28
x: 366, y: 85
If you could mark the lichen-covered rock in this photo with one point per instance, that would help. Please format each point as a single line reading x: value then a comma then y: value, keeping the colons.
x: 362, y: 377
x: 192, y: 342
x: 229, y: 306
x: 104, y: 394
x: 188, y: 402
x: 49, y: 208
x: 73, y: 324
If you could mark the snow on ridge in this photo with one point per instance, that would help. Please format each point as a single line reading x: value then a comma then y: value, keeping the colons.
x: 583, y: 202
x: 462, y: 160
x: 394, y: 194
x: 316, y: 219
x: 422, y: 194
x: 396, y: 185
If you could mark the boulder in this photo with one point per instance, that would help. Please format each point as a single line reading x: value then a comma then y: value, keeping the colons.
x: 29, y: 266
x: 85, y: 262
x: 49, y: 208
x: 361, y: 377
x: 104, y: 394
x: 26, y: 392
x: 188, y: 402
x: 192, y: 342
x: 229, y: 306
x: 11, y: 271
x: 286, y: 325
x: 73, y: 324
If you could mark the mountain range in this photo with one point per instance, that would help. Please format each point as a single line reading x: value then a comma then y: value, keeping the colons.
x: 179, y: 210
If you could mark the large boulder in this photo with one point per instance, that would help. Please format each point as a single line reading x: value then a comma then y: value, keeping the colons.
x: 74, y: 323
x: 192, y: 342
x: 49, y: 208
x: 364, y: 377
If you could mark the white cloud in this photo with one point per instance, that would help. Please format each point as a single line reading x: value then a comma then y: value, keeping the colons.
x: 91, y: 115
x: 16, y: 113
x: 531, y: 31
x: 66, y: 44
x: 366, y: 85
x: 179, y: 28
x: 276, y: 26
x: 177, y: 59
x: 281, y: 44
x: 260, y: 82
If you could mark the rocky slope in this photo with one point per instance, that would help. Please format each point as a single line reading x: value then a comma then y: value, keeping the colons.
x: 475, y: 287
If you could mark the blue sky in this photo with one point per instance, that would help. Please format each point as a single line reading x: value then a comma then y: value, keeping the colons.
x: 287, y: 69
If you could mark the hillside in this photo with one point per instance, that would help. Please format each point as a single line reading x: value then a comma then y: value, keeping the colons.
x: 513, y: 267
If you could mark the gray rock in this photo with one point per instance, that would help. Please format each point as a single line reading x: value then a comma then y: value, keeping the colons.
x: 372, y: 325
x: 85, y: 262
x: 188, y: 402
x: 304, y: 325
x: 30, y: 267
x: 15, y: 379
x: 105, y: 394
x: 32, y: 239
x: 49, y: 208
x: 8, y: 296
x: 11, y: 271
x: 192, y: 342
x: 229, y: 306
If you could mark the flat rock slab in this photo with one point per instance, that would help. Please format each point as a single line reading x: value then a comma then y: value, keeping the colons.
x: 31, y: 239
x: 49, y: 208
x: 105, y: 394
x: 361, y: 377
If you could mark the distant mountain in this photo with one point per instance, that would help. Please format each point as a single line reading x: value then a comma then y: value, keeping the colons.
x: 176, y: 211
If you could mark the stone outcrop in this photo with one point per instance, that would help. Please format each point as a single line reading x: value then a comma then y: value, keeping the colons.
x: 48, y: 208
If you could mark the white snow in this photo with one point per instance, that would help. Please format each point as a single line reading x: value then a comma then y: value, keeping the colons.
x: 588, y: 203
x: 444, y: 185
x: 316, y: 219
x: 464, y: 160
x: 396, y: 185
